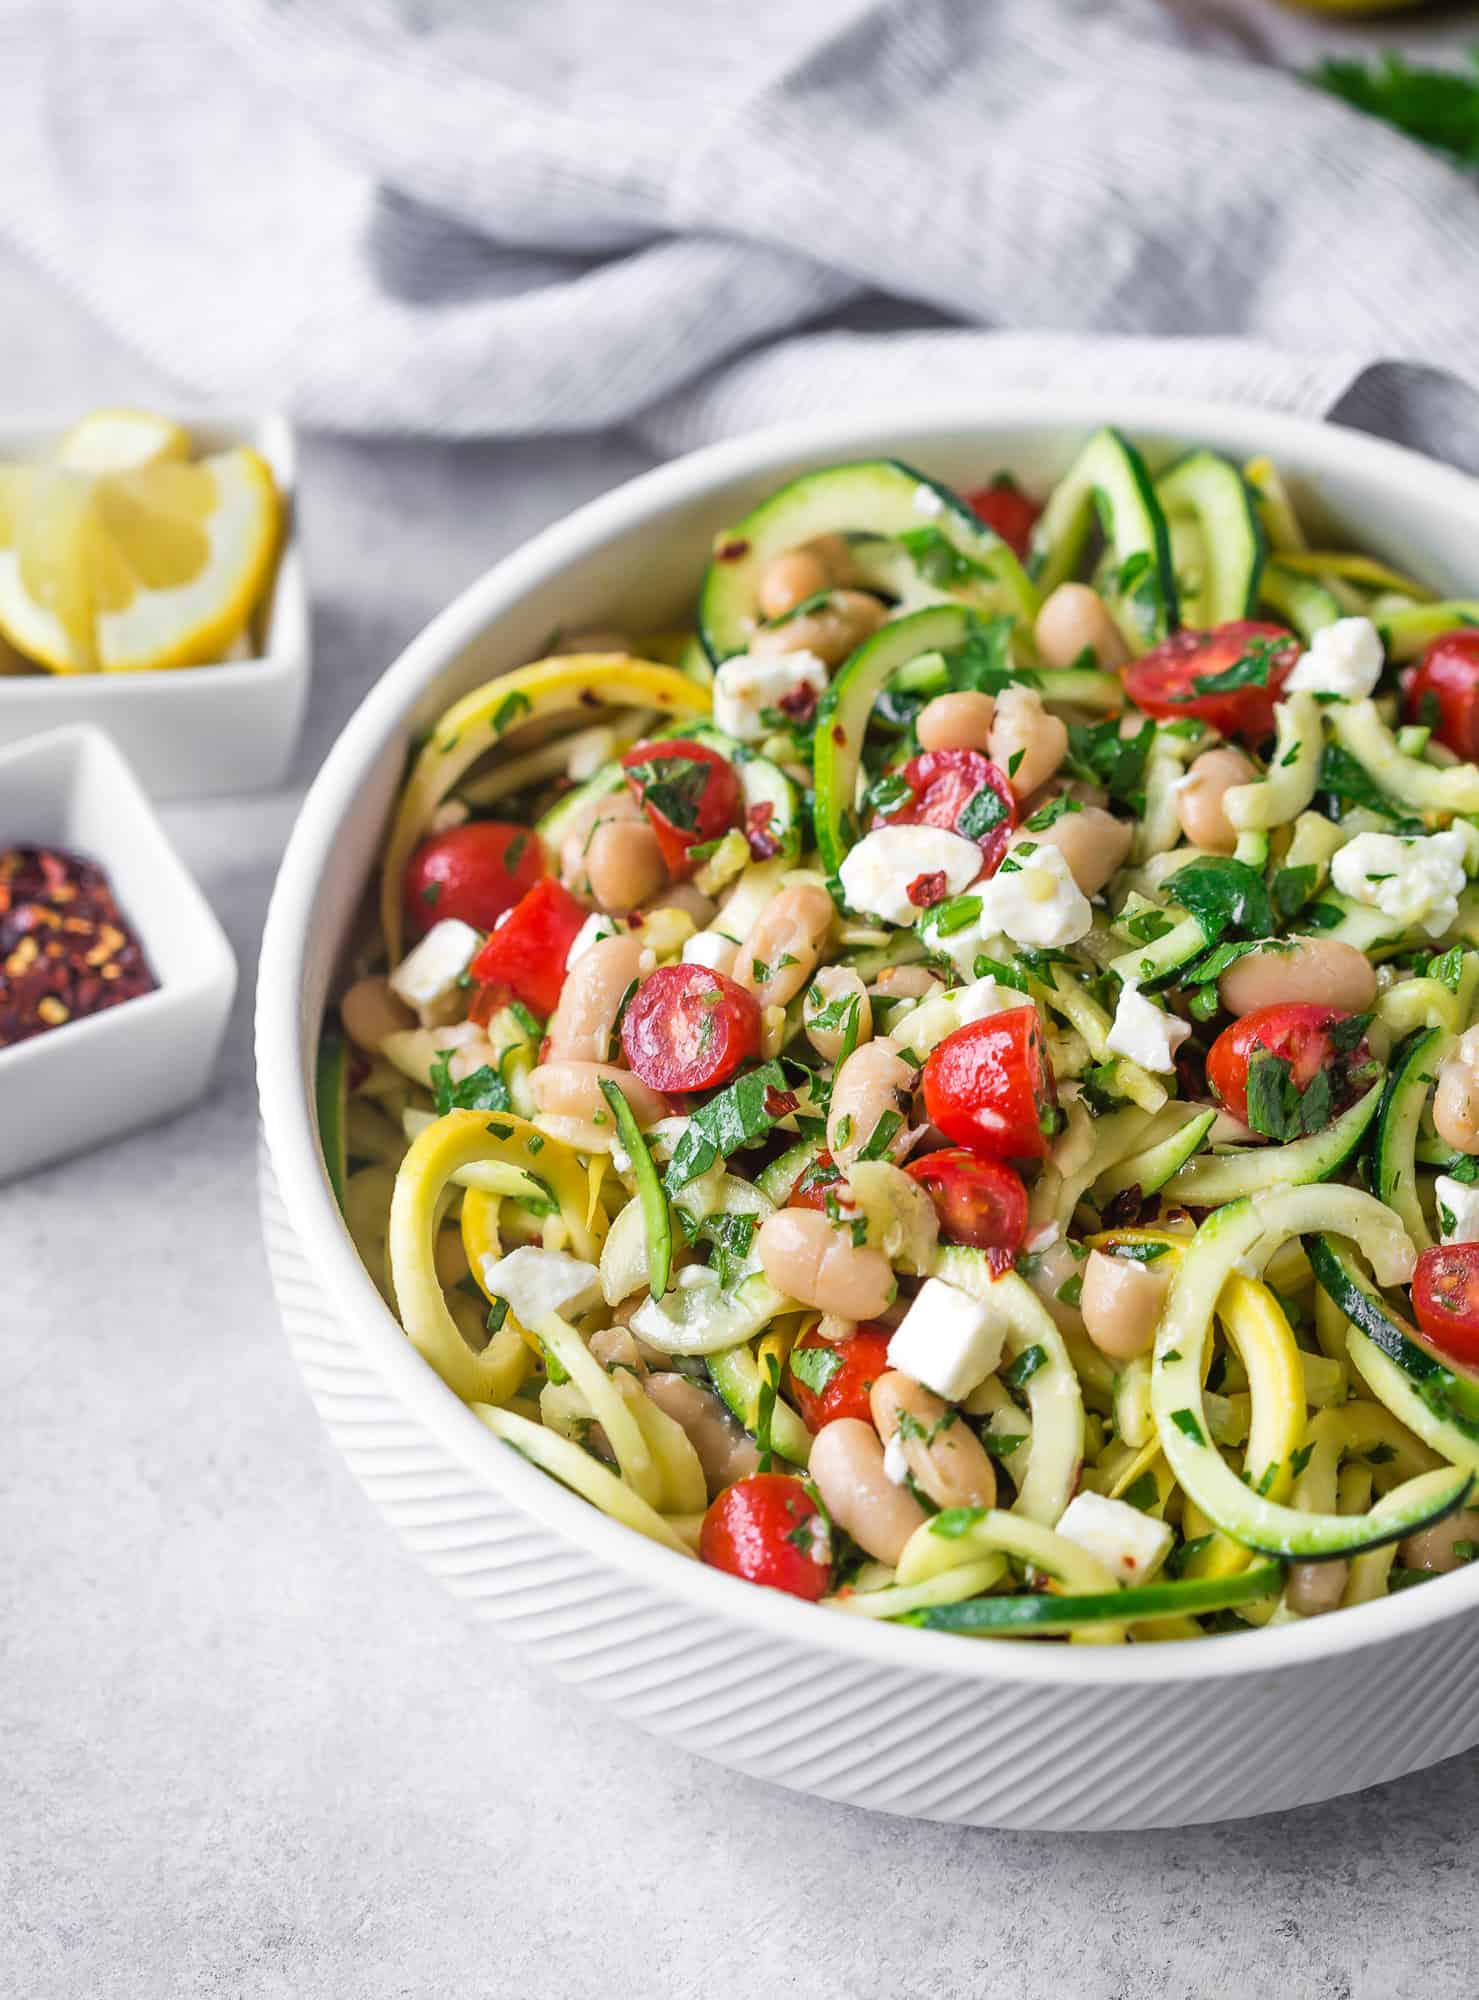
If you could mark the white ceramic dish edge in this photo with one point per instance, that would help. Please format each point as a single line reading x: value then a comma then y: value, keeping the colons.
x: 915, y: 1722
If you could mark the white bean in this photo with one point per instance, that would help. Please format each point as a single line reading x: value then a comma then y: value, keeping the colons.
x: 847, y: 1469
x: 1319, y: 970
x: 828, y: 995
x: 1073, y: 619
x: 581, y: 1026
x: 874, y: 1081
x: 805, y: 1256
x: 1027, y: 743
x: 777, y: 958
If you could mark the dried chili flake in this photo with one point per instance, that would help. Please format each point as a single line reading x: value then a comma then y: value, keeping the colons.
x: 928, y: 889
x: 763, y: 843
x: 66, y: 950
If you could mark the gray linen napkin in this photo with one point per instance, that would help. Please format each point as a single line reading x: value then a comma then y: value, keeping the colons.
x: 480, y: 219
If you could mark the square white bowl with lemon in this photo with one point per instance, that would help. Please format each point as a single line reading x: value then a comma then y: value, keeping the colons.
x: 193, y: 651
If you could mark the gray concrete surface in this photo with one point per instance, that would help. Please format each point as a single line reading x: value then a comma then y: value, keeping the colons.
x: 247, y: 1749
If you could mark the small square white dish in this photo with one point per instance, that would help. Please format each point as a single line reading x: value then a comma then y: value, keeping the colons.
x: 91, y: 1079
x: 191, y: 732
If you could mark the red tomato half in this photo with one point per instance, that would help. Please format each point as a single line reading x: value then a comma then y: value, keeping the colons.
x: 1298, y: 1032
x: 1004, y: 507
x: 769, y: 1530
x: 989, y: 1087
x: 525, y: 957
x: 1445, y: 1297
x: 949, y: 783
x: 1445, y: 682
x: 695, y: 801
x: 1165, y: 681
x: 815, y: 1183
x: 689, y: 1028
x: 841, y: 1374
x: 979, y: 1202
x: 474, y: 872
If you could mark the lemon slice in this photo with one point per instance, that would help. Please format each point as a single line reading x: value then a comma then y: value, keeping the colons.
x: 120, y: 572
x: 121, y: 440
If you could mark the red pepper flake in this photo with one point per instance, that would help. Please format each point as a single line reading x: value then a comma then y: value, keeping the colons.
x: 799, y: 702
x: 763, y: 843
x: 779, y: 1102
x: 839, y: 734
x: 731, y: 549
x: 926, y: 890
x: 55, y: 968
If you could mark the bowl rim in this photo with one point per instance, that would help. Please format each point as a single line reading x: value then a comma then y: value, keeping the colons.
x: 284, y: 1053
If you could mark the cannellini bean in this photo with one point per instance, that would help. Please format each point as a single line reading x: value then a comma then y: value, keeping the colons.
x: 725, y: 1452
x: 572, y: 1091
x: 1456, y: 1100
x: 847, y: 1470
x: 611, y: 855
x: 1026, y: 742
x: 777, y: 958
x: 469, y: 1056
x: 945, y: 1457
x: 1200, y: 797
x: 1319, y: 970
x: 1047, y: 1274
x: 829, y: 633
x: 804, y: 1255
x: 873, y: 1081
x: 828, y: 994
x: 1121, y: 1303
x: 581, y: 1026
x: 956, y: 722
x: 905, y: 982
x: 789, y: 579
x: 1073, y: 618
x: 370, y: 1012
x: 1093, y: 843
x: 1434, y: 1548
x: 1316, y: 1587
x: 616, y: 1347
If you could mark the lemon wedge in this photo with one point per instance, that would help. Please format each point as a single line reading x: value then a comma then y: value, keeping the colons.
x: 120, y: 572
x: 121, y: 440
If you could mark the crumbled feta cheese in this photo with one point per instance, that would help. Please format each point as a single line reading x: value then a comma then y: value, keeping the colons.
x: 539, y: 1282
x: 431, y: 971
x: 928, y: 502
x: 924, y: 1026
x: 1130, y: 1544
x: 1033, y: 899
x: 1414, y: 880
x: 710, y: 948
x: 1458, y: 1210
x: 948, y: 1340
x: 596, y: 926
x: 895, y: 1460
x: 746, y: 686
x: 1344, y: 659
x: 877, y: 874
x: 1145, y: 1033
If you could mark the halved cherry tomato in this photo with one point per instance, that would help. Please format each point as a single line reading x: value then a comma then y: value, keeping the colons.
x: 945, y: 783
x: 769, y: 1530
x: 815, y: 1183
x: 474, y: 872
x: 525, y: 957
x: 1004, y: 507
x: 693, y: 802
x: 689, y: 1028
x: 845, y: 1369
x: 989, y: 1087
x: 979, y: 1202
x: 1167, y: 682
x: 1299, y: 1033
x: 1445, y: 1297
x: 1445, y: 685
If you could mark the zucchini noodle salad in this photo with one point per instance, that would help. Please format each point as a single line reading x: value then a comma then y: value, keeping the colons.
x: 950, y: 1088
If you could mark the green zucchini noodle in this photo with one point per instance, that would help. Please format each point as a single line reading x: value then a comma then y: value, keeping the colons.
x: 940, y: 1085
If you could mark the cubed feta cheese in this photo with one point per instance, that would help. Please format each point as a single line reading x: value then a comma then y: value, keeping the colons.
x: 1130, y: 1544
x: 746, y: 686
x: 895, y: 1460
x: 1458, y: 1210
x: 1344, y: 659
x: 1415, y: 880
x: 431, y: 970
x: 711, y: 948
x: 878, y: 873
x: 1145, y: 1033
x: 1033, y: 899
x: 596, y: 926
x: 539, y: 1282
x: 948, y: 1340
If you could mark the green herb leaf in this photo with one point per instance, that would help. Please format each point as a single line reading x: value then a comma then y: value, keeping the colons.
x: 1223, y: 895
x: 509, y: 710
x: 981, y: 812
x: 483, y: 1090
x: 1186, y: 1422
x: 1026, y: 1365
x: 672, y: 786
x: 742, y: 1112
x: 815, y: 1367
x: 1437, y: 107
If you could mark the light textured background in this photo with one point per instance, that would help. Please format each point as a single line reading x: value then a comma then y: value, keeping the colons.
x: 246, y: 1749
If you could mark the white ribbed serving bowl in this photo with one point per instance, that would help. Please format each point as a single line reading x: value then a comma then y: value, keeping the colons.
x: 984, y: 1733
